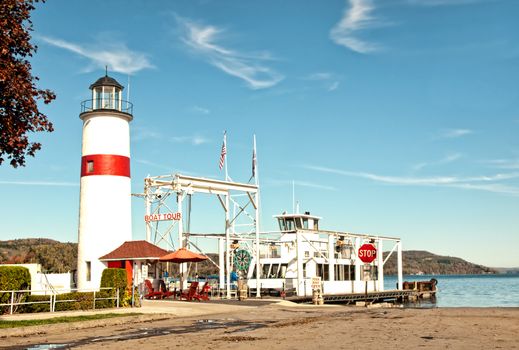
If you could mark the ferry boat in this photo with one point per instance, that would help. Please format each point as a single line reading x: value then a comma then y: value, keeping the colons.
x: 304, y: 258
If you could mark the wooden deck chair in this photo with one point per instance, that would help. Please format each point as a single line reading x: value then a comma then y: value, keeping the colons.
x: 204, y: 292
x: 191, y: 293
x: 152, y: 293
x: 165, y: 292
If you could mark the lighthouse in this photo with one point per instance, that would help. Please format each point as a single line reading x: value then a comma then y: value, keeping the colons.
x: 105, y: 192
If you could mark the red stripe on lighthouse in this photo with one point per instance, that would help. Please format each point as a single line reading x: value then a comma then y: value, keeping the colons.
x: 105, y: 164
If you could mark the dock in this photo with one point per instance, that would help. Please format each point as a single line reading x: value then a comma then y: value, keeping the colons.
x: 371, y: 297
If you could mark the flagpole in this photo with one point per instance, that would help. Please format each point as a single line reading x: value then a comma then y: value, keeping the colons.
x: 256, y: 178
x: 225, y: 160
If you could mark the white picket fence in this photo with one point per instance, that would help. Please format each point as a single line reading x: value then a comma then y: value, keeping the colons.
x: 52, y: 294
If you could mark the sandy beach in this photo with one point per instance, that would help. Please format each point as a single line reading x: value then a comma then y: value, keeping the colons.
x: 280, y: 325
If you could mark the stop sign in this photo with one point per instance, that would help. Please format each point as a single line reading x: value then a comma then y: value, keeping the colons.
x: 367, y: 252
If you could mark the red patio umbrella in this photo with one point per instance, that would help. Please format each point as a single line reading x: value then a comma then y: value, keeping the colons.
x: 183, y: 255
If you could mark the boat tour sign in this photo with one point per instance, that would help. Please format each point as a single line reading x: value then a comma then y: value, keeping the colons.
x: 367, y: 253
x: 163, y: 217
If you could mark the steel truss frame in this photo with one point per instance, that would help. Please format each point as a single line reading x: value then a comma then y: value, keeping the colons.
x: 241, y: 220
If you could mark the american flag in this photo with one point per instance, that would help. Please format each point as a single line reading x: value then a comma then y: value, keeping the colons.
x: 224, y: 151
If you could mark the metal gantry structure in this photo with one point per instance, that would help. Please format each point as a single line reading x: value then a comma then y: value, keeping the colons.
x: 165, y: 226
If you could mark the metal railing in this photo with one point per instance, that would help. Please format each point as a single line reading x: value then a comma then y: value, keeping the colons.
x: 107, y: 104
x: 15, y: 297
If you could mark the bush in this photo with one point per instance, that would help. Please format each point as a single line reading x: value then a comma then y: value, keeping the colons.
x: 114, y: 278
x: 13, y: 278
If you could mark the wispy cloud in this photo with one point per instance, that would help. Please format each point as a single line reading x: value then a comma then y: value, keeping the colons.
x: 168, y: 169
x: 40, y: 183
x: 454, y: 133
x: 445, y: 160
x: 504, y: 163
x: 276, y: 182
x: 331, y: 81
x: 194, y: 140
x: 116, y: 56
x: 483, y: 183
x: 204, y: 41
x: 140, y: 133
x: 443, y: 2
x: 199, y: 110
x: 357, y: 17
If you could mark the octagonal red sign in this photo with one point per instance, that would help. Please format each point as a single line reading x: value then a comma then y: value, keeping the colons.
x: 367, y: 253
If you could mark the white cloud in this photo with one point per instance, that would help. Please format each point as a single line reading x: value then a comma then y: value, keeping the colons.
x: 483, y: 183
x: 140, y: 133
x: 117, y: 57
x: 442, y: 2
x: 199, y: 110
x: 333, y: 86
x: 447, y: 159
x: 275, y: 182
x: 454, y: 133
x: 203, y: 40
x: 40, y: 183
x: 194, y: 140
x: 331, y: 81
x: 505, y: 163
x: 355, y: 18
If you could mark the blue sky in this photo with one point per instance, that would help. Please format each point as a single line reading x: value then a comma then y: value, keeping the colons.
x: 394, y: 117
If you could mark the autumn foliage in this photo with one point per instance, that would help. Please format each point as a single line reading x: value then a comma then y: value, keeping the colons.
x: 19, y: 114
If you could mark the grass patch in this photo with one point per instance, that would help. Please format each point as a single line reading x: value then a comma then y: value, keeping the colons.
x: 61, y: 319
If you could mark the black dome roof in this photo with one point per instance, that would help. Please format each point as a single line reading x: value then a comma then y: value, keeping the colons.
x: 106, y: 81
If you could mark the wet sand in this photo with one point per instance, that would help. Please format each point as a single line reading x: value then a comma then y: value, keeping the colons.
x: 283, y: 326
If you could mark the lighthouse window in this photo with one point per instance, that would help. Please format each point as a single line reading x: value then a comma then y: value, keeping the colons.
x: 88, y: 271
x: 90, y: 166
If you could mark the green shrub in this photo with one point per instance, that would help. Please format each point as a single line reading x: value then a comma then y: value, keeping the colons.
x: 113, y: 278
x: 13, y: 278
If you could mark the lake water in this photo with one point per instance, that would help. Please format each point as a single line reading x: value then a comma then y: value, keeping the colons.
x: 469, y: 290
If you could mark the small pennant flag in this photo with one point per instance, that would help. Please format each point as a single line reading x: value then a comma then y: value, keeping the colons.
x: 224, y: 151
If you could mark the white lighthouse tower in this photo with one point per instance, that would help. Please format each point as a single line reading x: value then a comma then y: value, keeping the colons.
x: 105, y: 193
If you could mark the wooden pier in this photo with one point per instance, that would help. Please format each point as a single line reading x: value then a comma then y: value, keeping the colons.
x: 370, y: 297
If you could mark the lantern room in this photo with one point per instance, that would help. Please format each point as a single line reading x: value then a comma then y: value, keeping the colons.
x: 107, y: 94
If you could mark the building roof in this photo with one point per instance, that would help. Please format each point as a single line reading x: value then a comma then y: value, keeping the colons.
x: 135, y: 250
x: 106, y: 81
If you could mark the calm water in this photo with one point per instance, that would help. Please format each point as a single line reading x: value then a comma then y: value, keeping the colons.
x: 470, y: 290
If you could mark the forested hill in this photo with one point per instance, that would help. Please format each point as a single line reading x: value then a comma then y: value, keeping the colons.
x: 423, y: 262
x: 54, y: 256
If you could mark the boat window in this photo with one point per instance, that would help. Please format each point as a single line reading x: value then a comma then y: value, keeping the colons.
x: 266, y: 269
x: 305, y: 224
x: 274, y: 271
x: 344, y: 272
x: 289, y: 222
x: 316, y: 224
x: 282, y: 225
x: 299, y: 223
x: 323, y: 272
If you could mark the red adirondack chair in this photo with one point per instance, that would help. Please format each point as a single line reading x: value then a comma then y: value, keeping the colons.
x: 191, y: 293
x: 165, y: 292
x: 204, y: 292
x: 152, y: 293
